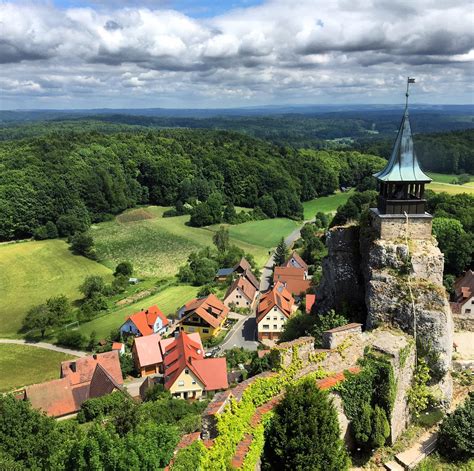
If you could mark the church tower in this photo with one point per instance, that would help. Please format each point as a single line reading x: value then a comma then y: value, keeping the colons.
x: 401, y: 187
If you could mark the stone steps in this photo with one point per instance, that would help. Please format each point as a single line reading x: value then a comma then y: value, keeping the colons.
x: 394, y: 466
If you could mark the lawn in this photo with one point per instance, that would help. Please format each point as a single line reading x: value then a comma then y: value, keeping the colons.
x: 442, y: 182
x: 21, y: 365
x: 265, y: 233
x: 325, y: 204
x: 156, y: 246
x: 30, y: 272
x: 168, y: 300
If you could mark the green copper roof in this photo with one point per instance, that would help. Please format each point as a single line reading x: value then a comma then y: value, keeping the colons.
x: 403, y: 165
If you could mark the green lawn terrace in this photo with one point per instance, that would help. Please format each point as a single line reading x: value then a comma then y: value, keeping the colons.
x: 22, y: 365
x: 31, y: 272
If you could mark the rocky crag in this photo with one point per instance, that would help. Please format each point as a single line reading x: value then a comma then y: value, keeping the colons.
x: 391, y: 280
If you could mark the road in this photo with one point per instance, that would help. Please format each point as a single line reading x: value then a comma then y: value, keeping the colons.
x: 46, y: 346
x: 243, y: 334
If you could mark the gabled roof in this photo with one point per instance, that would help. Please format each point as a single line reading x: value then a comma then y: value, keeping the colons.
x: 295, y: 258
x: 464, y: 287
x: 278, y: 296
x: 403, y: 165
x: 245, y: 287
x: 210, y: 309
x: 148, y: 350
x: 117, y: 346
x: 293, y: 278
x: 251, y: 277
x: 82, y: 369
x: 310, y: 300
x: 242, y: 265
x: 225, y: 271
x: 102, y: 383
x: 144, y: 320
x: 213, y: 371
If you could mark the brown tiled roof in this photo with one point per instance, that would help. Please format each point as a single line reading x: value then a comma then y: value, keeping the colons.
x: 293, y: 278
x: 310, y: 300
x: 242, y: 265
x: 294, y: 256
x: 102, y: 383
x: 147, y: 350
x: 245, y: 287
x: 210, y: 309
x: 330, y: 381
x: 251, y: 277
x: 277, y: 296
x: 464, y: 287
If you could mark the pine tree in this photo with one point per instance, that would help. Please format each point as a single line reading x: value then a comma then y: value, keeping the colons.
x: 281, y: 253
x: 304, y: 433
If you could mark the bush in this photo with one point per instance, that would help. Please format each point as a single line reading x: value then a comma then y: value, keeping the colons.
x: 101, y: 406
x: 92, y: 285
x: 456, y: 433
x: 127, y: 366
x: 72, y: 339
x: 82, y: 243
x: 124, y: 269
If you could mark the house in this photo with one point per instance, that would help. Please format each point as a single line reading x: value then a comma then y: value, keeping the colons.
x: 251, y: 277
x: 274, y: 309
x: 463, y: 304
x: 203, y: 315
x: 296, y: 261
x: 147, y: 355
x: 310, y: 300
x: 241, y: 293
x: 187, y: 374
x: 81, y: 379
x: 239, y: 268
x: 295, y: 279
x: 223, y: 273
x: 242, y: 266
x: 147, y: 322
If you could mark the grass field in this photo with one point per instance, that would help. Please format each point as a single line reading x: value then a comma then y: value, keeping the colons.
x: 266, y: 233
x: 21, y: 365
x: 168, y: 300
x: 442, y: 182
x: 155, y: 245
x: 325, y: 204
x: 30, y: 272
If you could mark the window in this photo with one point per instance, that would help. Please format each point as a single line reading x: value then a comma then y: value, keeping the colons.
x: 248, y: 303
x: 468, y: 311
x: 194, y: 382
x: 268, y: 318
x: 266, y: 326
x: 275, y: 318
x: 205, y: 331
x: 180, y: 384
x: 275, y: 308
x: 282, y: 318
x: 186, y: 371
x: 275, y: 327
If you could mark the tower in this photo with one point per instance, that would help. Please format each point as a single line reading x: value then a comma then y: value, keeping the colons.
x: 401, y: 187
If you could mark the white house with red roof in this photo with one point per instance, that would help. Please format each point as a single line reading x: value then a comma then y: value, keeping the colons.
x: 241, y: 293
x: 463, y: 304
x: 145, y: 323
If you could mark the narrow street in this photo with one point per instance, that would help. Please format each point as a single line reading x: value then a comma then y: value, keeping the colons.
x: 243, y: 333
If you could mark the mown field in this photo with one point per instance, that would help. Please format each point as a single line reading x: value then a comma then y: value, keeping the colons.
x: 168, y: 300
x: 325, y: 204
x: 30, y: 272
x: 21, y: 365
x: 155, y: 245
x: 442, y: 182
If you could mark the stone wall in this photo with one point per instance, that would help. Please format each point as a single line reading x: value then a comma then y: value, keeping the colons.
x: 334, y: 337
x: 393, y: 226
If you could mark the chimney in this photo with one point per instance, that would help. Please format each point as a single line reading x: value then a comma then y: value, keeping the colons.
x: 94, y: 356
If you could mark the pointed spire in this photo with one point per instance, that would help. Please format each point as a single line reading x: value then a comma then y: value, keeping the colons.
x: 403, y: 165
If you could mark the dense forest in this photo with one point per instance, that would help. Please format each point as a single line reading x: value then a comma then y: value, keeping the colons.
x: 71, y: 179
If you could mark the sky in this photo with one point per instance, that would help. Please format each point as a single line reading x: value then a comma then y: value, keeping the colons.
x: 217, y: 54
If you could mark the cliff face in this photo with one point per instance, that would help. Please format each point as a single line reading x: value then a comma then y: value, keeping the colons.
x: 381, y: 272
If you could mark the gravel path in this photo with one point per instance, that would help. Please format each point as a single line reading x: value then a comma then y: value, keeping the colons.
x: 46, y: 346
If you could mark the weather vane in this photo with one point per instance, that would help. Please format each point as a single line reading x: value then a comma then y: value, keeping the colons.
x: 409, y: 80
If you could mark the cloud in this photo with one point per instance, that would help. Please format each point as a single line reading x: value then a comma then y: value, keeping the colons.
x: 280, y: 50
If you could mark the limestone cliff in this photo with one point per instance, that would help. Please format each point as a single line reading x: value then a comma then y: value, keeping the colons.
x: 361, y: 265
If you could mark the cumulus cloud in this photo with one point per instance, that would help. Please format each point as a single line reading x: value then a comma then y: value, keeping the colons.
x: 278, y: 51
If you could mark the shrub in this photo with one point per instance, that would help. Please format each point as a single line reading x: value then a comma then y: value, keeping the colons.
x: 82, y: 243
x: 101, y: 406
x: 456, y: 433
x: 380, y: 427
x: 72, y: 339
x: 124, y: 269
x: 92, y: 284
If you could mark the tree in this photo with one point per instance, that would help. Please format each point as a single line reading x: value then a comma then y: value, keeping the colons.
x: 51, y: 230
x: 60, y: 310
x: 321, y: 220
x: 268, y: 206
x: 93, y: 284
x: 230, y: 214
x: 327, y: 321
x: 281, y: 253
x: 124, y: 269
x: 72, y: 339
x: 38, y: 317
x: 304, y: 433
x: 362, y: 427
x: 380, y: 427
x: 221, y: 239
x: 455, y: 439
x: 82, y: 243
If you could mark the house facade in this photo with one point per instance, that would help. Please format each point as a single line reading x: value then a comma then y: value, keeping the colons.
x: 148, y: 322
x: 205, y: 316
x: 463, y: 305
x: 147, y: 355
x: 295, y: 279
x: 241, y: 294
x: 274, y: 309
x: 296, y: 261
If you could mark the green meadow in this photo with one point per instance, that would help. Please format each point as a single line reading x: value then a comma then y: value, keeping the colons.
x: 442, y: 182
x: 21, y: 365
x: 31, y: 272
x: 169, y: 301
x: 325, y: 204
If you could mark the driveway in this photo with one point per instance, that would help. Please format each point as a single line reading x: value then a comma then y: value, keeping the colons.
x: 243, y: 334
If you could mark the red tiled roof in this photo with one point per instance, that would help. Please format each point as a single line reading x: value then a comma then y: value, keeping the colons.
x: 294, y: 256
x: 310, y: 300
x: 245, y: 287
x: 144, y: 320
x: 251, y: 277
x: 210, y: 309
x: 330, y: 381
x: 82, y: 369
x: 147, y: 350
x: 293, y: 278
x: 242, y: 265
x: 277, y: 296
x: 464, y: 287
x: 213, y: 372
x: 102, y: 383
x: 117, y: 346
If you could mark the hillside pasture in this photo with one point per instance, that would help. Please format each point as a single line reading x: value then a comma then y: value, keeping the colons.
x: 155, y: 245
x: 22, y: 365
x: 31, y: 272
x: 442, y: 183
x: 168, y: 300
x: 325, y: 204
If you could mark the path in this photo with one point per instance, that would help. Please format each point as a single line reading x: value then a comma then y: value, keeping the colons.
x: 242, y: 334
x: 46, y: 346
x: 267, y: 270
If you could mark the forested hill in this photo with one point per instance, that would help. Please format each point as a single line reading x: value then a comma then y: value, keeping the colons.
x: 74, y: 178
